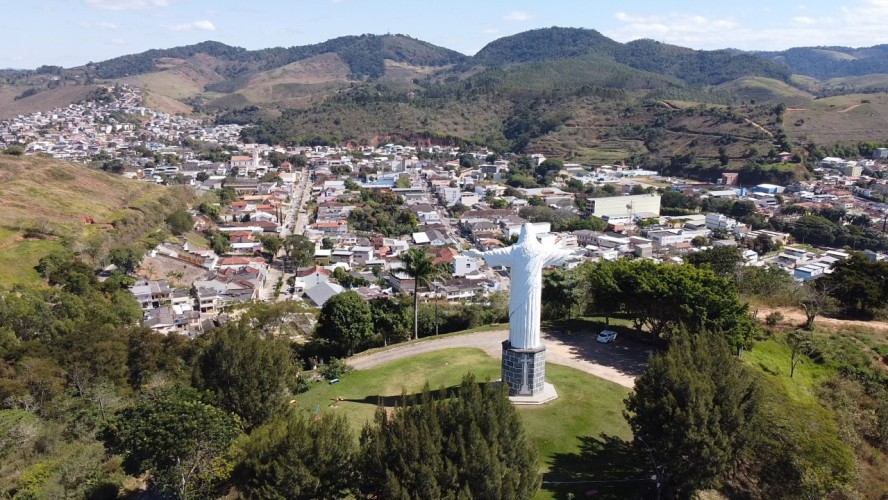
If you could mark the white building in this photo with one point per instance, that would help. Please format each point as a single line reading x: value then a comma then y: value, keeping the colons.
x: 625, y: 205
x: 463, y: 265
x: 719, y: 221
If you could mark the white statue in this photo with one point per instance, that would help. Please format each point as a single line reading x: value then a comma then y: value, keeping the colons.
x: 527, y: 258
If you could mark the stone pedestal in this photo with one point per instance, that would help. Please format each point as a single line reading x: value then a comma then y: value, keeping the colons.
x: 524, y: 371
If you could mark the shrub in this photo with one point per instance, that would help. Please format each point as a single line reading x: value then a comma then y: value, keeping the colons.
x: 774, y: 318
x: 336, y: 368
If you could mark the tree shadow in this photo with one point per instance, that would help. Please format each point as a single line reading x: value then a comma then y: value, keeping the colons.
x: 405, y: 399
x: 627, y: 354
x: 604, y: 467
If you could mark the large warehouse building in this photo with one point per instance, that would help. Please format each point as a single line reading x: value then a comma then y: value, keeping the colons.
x: 644, y: 205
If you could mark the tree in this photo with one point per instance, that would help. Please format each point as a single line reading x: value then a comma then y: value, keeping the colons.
x: 419, y: 266
x: 801, y: 343
x: 858, y: 283
x: 815, y: 299
x: 180, y: 222
x: 299, y: 250
x: 391, y: 318
x: 743, y: 208
x: 724, y: 261
x: 560, y: 294
x: 469, y: 444
x: 211, y: 210
x: 697, y: 407
x: 219, y: 242
x: 298, y: 457
x: 271, y: 244
x: 177, y: 437
x: 603, y: 292
x: 126, y: 258
x: 248, y: 373
x: 345, y: 322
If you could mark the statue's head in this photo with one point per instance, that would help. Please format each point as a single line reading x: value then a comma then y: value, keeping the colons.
x: 527, y: 232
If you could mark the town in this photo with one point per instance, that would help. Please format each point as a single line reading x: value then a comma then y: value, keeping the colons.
x: 323, y: 195
x: 273, y: 251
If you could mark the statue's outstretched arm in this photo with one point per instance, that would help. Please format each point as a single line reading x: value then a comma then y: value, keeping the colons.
x: 555, y: 256
x: 498, y: 257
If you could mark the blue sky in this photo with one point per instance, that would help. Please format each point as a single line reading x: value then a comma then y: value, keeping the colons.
x: 73, y: 32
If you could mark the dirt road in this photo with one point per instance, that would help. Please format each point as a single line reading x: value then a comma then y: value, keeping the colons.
x: 619, y: 362
x: 796, y: 317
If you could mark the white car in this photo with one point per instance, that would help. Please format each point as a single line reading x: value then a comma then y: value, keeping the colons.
x: 606, y: 336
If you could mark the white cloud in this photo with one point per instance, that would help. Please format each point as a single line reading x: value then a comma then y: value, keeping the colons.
x: 203, y: 25
x: 518, y: 15
x: 860, y: 23
x: 118, y: 41
x: 102, y: 25
x: 126, y: 4
x: 490, y: 31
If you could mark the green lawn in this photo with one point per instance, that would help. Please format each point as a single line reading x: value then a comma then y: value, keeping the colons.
x: 17, y: 260
x: 568, y: 431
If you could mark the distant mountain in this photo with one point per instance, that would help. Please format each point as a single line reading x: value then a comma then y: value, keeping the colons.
x: 364, y: 54
x: 545, y: 44
x: 564, y: 92
x: 824, y: 63
x: 693, y: 66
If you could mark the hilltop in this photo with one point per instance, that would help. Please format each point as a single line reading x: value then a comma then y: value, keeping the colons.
x: 47, y: 204
x: 567, y: 92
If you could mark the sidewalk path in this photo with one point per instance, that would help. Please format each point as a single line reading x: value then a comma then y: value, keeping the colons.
x: 619, y: 362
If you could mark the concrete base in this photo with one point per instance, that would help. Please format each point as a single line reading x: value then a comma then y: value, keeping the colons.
x: 524, y: 372
x: 546, y: 395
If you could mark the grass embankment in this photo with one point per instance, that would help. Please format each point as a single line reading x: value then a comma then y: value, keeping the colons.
x: 587, y: 407
x: 49, y: 204
x: 834, y: 408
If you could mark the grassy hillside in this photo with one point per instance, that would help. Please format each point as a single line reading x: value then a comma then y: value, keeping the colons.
x: 762, y: 89
x: 46, y: 204
x: 45, y: 100
x: 846, y: 118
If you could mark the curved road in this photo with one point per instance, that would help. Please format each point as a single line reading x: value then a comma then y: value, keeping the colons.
x: 619, y: 362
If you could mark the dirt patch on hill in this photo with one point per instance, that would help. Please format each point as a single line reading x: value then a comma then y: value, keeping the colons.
x: 794, y: 317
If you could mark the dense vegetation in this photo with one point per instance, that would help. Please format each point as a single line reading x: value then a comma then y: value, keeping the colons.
x: 383, y: 212
x: 695, y: 67
x: 364, y: 55
x: 831, y: 62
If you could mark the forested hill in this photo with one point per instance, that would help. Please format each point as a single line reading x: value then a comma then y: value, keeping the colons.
x: 365, y: 57
x: 699, y: 67
x: 832, y: 62
x: 364, y: 54
x: 544, y: 44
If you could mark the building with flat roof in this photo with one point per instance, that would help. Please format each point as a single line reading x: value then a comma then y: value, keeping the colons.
x: 615, y: 206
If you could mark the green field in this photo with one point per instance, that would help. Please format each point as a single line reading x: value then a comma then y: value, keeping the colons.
x: 19, y: 256
x: 568, y: 431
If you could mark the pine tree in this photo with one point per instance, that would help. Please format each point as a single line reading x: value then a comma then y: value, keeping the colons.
x: 697, y: 407
x: 295, y: 457
x: 468, y: 444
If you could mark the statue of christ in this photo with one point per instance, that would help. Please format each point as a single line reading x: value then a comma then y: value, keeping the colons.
x: 526, y: 259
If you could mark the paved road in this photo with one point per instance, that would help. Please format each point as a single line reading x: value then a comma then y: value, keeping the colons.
x: 293, y: 219
x: 620, y: 361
